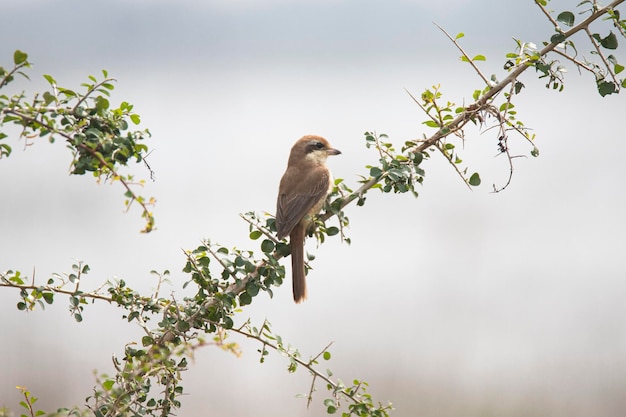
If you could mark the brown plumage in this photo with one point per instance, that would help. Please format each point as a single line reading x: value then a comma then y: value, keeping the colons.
x: 301, y: 195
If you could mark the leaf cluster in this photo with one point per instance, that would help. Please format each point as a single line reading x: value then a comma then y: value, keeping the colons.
x: 97, y: 133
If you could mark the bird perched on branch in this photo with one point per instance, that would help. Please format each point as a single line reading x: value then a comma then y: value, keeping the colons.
x: 303, y: 190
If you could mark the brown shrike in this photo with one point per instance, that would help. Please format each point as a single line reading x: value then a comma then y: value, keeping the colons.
x: 303, y: 190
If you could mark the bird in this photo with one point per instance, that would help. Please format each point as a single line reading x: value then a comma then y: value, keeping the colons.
x: 303, y: 189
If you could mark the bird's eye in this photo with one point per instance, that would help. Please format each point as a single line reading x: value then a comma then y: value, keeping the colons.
x: 318, y: 145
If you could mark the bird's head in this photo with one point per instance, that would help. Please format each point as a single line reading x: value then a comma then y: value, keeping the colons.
x: 312, y: 148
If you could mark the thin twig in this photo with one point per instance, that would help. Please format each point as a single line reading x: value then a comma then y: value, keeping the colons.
x: 260, y: 228
x: 89, y: 92
x: 574, y: 60
x: 456, y: 168
x: 478, y: 71
x: 602, y: 57
x: 549, y: 16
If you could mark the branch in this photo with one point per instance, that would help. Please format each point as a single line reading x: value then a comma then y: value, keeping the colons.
x: 103, y: 164
x: 456, y: 124
x: 89, y: 92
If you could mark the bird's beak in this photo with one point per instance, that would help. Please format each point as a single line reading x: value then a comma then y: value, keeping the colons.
x: 332, y: 151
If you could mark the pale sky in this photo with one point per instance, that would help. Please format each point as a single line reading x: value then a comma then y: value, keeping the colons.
x: 456, y: 303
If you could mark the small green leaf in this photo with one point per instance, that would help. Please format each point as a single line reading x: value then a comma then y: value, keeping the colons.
x: 506, y: 106
x: 459, y: 35
x: 49, y: 78
x: 326, y: 355
x: 19, y: 57
x: 567, y: 18
x: 610, y: 42
x: 252, y: 288
x: 479, y: 58
x: 375, y: 172
x: 182, y: 326
x: 332, y: 231
x: 557, y: 38
x: 108, y: 384
x: 606, y: 87
x: 535, y: 152
x: 48, y: 297
x: 474, y: 180
x: 135, y: 118
x: 255, y: 234
x: 244, y: 299
x: 267, y: 246
x: 147, y: 341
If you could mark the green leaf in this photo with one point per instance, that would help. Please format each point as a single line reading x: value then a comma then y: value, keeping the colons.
x: 332, y: 231
x: 267, y: 246
x: 147, y: 341
x: 252, y: 288
x: 506, y: 106
x: 19, y: 57
x: 479, y: 58
x: 182, y: 326
x: 108, y: 384
x: 567, y: 18
x: 326, y: 355
x: 610, y: 42
x: 474, y: 180
x: 255, y: 234
x: 459, y: 35
x: 606, y: 87
x: 244, y: 299
x: 375, y: 172
x: 50, y: 80
x: 557, y: 38
x: 135, y: 118
x: 48, y: 297
x: 418, y: 157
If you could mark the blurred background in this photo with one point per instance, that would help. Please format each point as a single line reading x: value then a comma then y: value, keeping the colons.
x: 458, y: 303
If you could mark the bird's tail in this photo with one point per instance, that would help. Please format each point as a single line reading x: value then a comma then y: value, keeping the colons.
x: 296, y: 242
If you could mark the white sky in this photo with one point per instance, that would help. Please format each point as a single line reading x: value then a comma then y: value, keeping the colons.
x: 508, y: 303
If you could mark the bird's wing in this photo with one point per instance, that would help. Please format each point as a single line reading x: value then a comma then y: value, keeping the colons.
x: 293, y: 206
